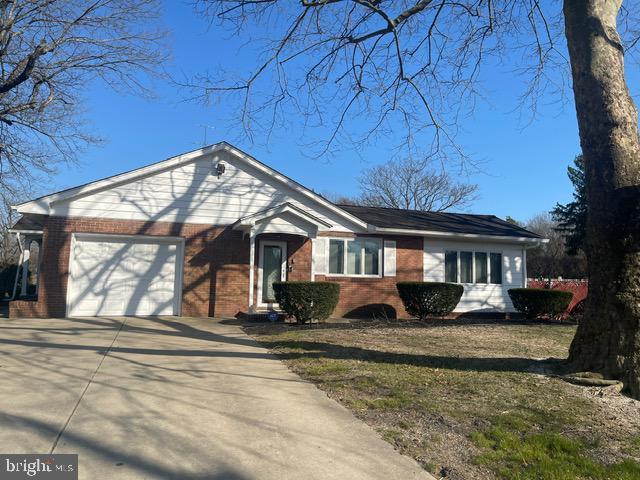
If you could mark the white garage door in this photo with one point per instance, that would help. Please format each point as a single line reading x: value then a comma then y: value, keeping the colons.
x: 124, y: 276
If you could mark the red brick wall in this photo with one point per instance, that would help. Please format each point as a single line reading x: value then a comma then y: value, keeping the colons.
x: 214, y: 264
x: 26, y: 309
x: 229, y: 285
x: 365, y: 297
x: 216, y: 268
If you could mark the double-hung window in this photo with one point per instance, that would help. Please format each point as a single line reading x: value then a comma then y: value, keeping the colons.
x: 472, y: 267
x: 355, y: 257
x: 481, y: 268
x: 495, y: 268
x: 336, y: 257
x: 451, y: 266
x: 466, y: 267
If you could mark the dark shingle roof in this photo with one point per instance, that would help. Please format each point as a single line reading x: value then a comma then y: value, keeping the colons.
x: 437, y: 222
x: 29, y: 221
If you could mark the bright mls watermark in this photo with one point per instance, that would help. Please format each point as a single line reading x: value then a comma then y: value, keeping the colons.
x: 62, y: 466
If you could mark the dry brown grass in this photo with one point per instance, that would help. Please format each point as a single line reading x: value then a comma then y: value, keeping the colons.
x: 459, y: 397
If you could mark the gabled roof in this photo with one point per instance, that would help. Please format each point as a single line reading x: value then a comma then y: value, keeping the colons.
x: 456, y: 223
x: 41, y: 205
x: 286, y: 207
x: 29, y: 223
x: 372, y: 219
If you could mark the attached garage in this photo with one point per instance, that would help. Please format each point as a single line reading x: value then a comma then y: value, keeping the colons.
x: 124, y: 275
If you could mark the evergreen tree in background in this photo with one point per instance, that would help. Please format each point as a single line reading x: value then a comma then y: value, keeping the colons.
x: 572, y: 217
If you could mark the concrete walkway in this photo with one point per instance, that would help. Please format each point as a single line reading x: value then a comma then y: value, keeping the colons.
x: 176, y: 398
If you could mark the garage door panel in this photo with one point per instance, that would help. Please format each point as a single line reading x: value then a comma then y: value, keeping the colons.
x: 124, y: 277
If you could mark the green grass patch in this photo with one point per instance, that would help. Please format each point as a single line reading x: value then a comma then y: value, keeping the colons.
x: 633, y: 447
x: 546, y: 455
x: 394, y: 400
x: 392, y: 436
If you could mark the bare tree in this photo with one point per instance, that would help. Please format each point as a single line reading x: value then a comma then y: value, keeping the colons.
x: 408, y: 62
x: 9, y: 251
x: 551, y: 260
x: 418, y: 62
x: 340, y: 198
x: 545, y: 260
x: 49, y: 51
x: 414, y: 185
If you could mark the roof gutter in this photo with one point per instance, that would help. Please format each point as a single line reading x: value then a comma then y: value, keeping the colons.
x: 25, y: 232
x: 529, y: 241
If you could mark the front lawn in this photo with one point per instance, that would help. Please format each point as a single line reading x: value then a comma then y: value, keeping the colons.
x: 469, y: 400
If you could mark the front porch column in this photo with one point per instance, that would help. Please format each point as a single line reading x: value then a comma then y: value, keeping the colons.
x: 25, y: 268
x: 252, y: 261
x: 39, y: 265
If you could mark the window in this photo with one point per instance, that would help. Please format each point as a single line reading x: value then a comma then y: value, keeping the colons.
x: 354, y: 258
x: 451, y: 266
x: 496, y: 268
x: 466, y: 267
x: 472, y: 267
x: 481, y: 267
x: 336, y: 256
x: 363, y: 256
x: 371, y: 257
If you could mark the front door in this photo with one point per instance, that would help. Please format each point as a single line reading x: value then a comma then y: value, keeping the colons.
x: 272, y: 267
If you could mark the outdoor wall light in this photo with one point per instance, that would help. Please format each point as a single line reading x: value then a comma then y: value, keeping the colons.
x: 220, y: 168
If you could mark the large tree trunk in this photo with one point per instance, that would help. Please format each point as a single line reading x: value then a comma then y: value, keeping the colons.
x: 608, y: 339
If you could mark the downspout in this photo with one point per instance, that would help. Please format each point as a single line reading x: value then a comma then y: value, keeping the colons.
x: 524, y: 267
x: 39, y: 266
x: 252, y: 256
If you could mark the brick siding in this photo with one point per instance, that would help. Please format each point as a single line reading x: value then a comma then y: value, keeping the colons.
x: 54, y: 273
x: 216, y: 268
x: 368, y: 297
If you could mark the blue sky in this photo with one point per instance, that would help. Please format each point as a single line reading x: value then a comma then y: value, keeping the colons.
x: 523, y: 166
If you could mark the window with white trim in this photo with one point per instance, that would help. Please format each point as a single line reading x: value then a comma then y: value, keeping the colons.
x: 336, y: 257
x: 355, y: 257
x: 480, y: 267
x: 451, y: 266
x: 466, y: 267
x: 473, y: 267
x: 495, y: 268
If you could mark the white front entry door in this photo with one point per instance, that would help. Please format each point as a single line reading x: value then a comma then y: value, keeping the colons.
x: 272, y: 267
x: 111, y: 275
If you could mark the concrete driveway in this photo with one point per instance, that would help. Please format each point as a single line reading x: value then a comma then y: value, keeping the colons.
x: 177, y: 398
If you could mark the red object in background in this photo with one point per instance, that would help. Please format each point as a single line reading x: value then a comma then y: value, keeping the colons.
x: 579, y: 288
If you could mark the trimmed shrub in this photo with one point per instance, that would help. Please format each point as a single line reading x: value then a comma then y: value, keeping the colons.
x: 307, y: 301
x: 425, y: 299
x: 579, y: 288
x: 540, y: 302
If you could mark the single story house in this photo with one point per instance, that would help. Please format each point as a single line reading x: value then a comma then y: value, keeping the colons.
x: 206, y: 233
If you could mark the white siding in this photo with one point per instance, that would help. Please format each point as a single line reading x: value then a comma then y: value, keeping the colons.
x: 285, y: 223
x: 389, y: 258
x: 192, y: 193
x: 319, y: 255
x: 477, y: 297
